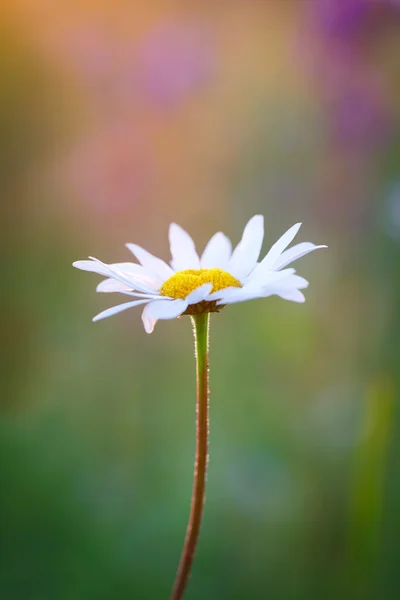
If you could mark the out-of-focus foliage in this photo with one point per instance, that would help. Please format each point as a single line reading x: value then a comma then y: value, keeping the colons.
x: 117, y: 118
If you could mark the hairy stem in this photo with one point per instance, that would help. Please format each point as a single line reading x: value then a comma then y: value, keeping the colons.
x: 200, y: 330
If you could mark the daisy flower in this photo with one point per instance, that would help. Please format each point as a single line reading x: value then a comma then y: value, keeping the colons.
x: 198, y: 286
x: 193, y: 284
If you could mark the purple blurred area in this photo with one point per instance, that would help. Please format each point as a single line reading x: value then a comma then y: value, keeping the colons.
x: 338, y: 19
x: 166, y: 64
x: 347, y: 37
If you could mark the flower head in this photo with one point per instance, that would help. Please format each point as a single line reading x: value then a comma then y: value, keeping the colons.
x: 192, y: 284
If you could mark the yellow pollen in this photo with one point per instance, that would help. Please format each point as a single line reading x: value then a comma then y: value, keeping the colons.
x: 184, y: 282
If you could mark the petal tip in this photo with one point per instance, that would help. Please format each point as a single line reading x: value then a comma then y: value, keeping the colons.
x: 81, y: 264
x: 148, y: 326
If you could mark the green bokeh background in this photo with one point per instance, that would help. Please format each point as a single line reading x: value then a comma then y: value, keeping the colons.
x: 98, y: 421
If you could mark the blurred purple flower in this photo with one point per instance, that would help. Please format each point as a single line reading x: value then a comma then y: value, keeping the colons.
x: 340, y: 18
x: 344, y: 20
x: 174, y: 60
x: 352, y: 89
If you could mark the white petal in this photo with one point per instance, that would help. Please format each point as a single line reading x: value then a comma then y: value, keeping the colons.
x: 270, y: 277
x: 154, y: 264
x: 233, y: 295
x: 258, y: 288
x: 293, y: 295
x: 294, y: 253
x: 140, y: 274
x: 93, y: 267
x: 131, y: 275
x: 251, y: 290
x: 199, y: 293
x: 162, y: 309
x: 183, y: 251
x: 142, y: 295
x: 116, y: 309
x: 245, y: 255
x: 293, y: 281
x: 217, y: 252
x: 293, y: 250
x: 273, y: 255
x: 285, y: 287
x: 134, y: 276
x: 254, y: 288
x: 217, y: 295
x: 112, y: 285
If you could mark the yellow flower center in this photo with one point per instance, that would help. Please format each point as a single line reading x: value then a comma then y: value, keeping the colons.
x: 184, y: 282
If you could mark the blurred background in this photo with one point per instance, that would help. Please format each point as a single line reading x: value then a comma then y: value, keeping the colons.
x: 117, y: 118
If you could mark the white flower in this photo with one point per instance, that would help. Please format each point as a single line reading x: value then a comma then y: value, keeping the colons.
x: 193, y: 284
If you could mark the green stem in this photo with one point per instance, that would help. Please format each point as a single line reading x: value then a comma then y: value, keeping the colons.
x: 200, y: 330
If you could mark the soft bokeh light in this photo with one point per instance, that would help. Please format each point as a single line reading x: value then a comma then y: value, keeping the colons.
x: 116, y: 119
